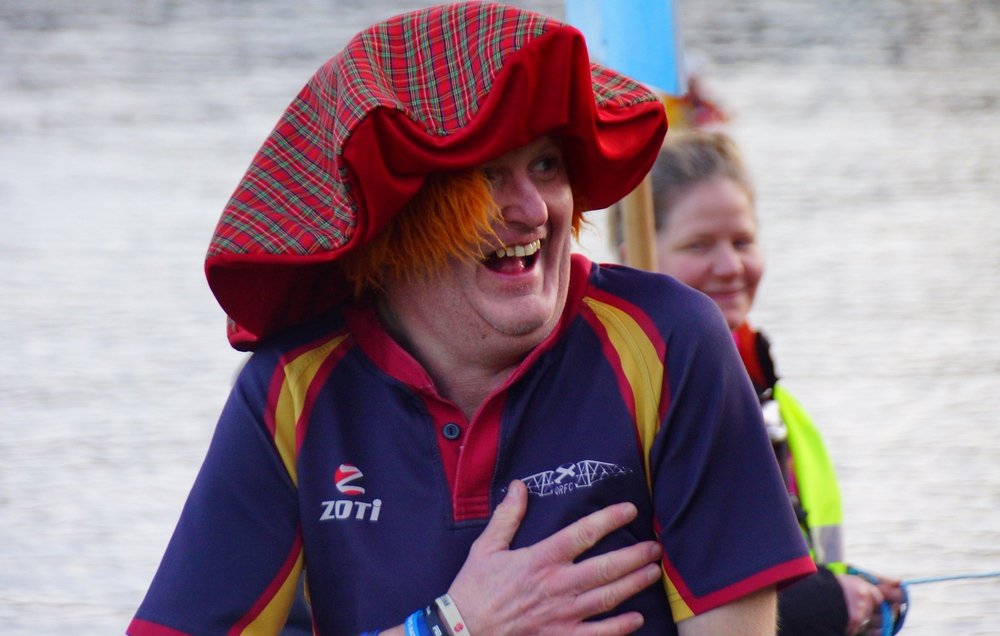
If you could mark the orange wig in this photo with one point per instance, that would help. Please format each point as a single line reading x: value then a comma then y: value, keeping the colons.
x: 450, y: 217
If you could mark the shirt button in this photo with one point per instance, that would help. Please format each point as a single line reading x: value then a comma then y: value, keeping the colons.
x: 451, y: 430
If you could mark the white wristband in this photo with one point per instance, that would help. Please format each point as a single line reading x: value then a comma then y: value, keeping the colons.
x: 452, y: 619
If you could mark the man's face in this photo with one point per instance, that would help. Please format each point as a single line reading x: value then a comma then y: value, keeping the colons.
x: 514, y: 297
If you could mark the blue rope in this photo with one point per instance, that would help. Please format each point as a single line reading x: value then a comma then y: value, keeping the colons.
x: 951, y: 577
x: 890, y: 624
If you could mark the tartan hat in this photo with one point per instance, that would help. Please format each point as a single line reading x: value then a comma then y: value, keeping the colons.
x: 441, y: 89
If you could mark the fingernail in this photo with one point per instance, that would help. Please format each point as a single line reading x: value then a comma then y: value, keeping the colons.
x: 653, y: 573
x: 510, y: 490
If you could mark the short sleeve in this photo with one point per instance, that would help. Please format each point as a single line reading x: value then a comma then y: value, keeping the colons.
x: 722, y: 512
x: 235, y: 557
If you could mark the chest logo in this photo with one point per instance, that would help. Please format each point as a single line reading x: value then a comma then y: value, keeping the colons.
x: 345, y: 474
x: 568, y: 477
x: 346, y: 479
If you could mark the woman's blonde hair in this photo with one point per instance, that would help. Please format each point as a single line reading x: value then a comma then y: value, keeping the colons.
x: 688, y: 158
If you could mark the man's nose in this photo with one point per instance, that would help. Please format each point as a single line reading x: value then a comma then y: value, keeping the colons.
x: 523, y: 204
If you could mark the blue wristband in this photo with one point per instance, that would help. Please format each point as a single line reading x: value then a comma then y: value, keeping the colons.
x: 416, y: 624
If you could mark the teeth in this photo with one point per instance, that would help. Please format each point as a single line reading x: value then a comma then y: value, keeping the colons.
x: 519, y: 250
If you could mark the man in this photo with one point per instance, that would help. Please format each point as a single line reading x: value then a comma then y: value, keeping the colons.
x: 450, y: 422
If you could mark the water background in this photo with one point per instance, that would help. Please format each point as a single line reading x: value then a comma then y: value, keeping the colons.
x: 873, y: 129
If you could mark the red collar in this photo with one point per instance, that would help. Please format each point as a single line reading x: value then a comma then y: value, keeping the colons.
x: 394, y: 360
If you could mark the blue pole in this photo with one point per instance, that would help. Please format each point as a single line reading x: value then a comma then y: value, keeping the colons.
x: 639, y: 38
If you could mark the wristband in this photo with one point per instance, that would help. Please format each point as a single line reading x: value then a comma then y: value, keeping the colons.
x: 415, y: 624
x: 454, y: 624
x: 434, y: 621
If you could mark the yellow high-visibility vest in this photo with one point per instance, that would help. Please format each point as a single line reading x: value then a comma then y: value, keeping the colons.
x: 818, y: 490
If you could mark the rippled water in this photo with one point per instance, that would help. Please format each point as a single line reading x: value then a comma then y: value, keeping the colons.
x: 873, y: 130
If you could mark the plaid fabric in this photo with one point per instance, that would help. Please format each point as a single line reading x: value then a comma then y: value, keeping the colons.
x: 422, y: 92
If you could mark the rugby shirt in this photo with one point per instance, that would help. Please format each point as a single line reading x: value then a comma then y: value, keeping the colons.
x: 335, y: 453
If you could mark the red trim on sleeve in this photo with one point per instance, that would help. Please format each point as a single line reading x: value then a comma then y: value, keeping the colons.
x: 779, y: 576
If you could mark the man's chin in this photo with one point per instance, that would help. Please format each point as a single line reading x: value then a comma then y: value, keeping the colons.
x: 523, y: 323
x: 521, y: 329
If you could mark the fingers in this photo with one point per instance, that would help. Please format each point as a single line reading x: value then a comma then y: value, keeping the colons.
x: 507, y: 517
x: 581, y: 535
x: 877, y: 597
x: 862, y: 600
x: 863, y: 628
x: 870, y: 608
x: 892, y: 591
x: 540, y: 588
x: 611, y: 566
x: 614, y: 626
x: 606, y: 597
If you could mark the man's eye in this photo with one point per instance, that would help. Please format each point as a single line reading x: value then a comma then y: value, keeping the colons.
x: 547, y: 165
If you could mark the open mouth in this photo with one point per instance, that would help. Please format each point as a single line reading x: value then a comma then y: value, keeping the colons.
x: 511, y: 259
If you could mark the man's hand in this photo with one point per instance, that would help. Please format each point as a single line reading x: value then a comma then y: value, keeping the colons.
x: 539, y: 589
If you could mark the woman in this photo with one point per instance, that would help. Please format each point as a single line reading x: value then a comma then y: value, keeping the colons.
x: 706, y: 237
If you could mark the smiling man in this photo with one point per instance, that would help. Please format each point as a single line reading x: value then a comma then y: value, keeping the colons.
x: 486, y: 314
x: 451, y: 423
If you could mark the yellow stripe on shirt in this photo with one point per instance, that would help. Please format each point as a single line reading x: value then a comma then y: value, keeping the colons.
x: 643, y: 371
x: 299, y: 375
x: 273, y: 617
x: 642, y: 367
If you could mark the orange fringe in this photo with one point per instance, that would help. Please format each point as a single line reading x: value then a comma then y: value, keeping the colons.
x: 450, y: 217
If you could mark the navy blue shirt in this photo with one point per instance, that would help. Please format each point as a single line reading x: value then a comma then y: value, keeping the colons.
x: 336, y: 454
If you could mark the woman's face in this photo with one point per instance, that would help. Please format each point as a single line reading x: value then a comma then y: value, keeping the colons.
x: 710, y: 243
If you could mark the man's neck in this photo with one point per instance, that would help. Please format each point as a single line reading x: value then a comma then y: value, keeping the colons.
x: 464, y: 370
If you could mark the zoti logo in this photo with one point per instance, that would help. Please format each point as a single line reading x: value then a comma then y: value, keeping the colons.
x: 345, y: 509
x: 345, y: 474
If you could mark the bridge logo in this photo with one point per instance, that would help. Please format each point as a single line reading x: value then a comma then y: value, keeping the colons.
x: 569, y: 477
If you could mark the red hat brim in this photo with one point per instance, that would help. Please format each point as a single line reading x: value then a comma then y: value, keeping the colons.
x: 359, y: 140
